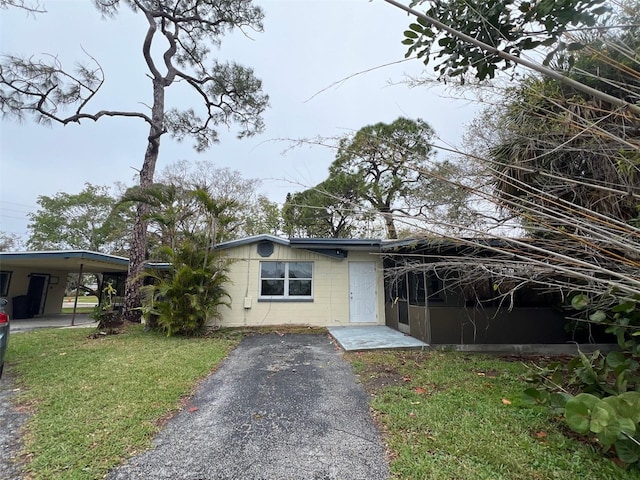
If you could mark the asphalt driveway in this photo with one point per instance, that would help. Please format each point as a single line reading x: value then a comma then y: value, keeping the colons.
x: 11, y: 421
x: 278, y: 408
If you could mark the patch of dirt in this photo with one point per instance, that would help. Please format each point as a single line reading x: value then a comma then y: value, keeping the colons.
x: 111, y: 328
x: 567, y: 432
x: 281, y: 330
x: 105, y: 333
x: 182, y: 404
x: 378, y: 376
x: 538, y: 359
x: 374, y: 383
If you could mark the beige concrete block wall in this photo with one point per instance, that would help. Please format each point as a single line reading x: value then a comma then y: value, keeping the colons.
x: 330, y: 305
x: 20, y: 284
x: 55, y: 294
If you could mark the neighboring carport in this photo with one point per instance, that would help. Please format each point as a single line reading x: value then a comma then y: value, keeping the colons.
x: 34, y: 282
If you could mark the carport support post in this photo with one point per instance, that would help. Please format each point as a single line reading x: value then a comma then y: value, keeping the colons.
x: 75, y: 301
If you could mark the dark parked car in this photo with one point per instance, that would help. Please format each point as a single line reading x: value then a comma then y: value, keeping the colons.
x: 4, y: 333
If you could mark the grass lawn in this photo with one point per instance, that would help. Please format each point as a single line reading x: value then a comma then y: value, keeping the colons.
x: 98, y: 401
x: 82, y: 299
x: 79, y: 309
x: 81, y: 302
x: 459, y: 416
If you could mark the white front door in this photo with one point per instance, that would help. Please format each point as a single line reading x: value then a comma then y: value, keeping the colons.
x: 363, y: 295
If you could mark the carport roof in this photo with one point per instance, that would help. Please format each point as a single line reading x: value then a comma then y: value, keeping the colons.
x: 64, y: 260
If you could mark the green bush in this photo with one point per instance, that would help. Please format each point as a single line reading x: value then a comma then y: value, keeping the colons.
x: 599, y: 395
x: 182, y: 300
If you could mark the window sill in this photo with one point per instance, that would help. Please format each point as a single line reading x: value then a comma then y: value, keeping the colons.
x: 284, y: 300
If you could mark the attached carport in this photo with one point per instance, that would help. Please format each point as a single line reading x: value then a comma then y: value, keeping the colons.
x: 34, y: 282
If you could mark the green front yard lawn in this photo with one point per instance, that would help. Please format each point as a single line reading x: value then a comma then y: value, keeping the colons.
x: 97, y: 401
x: 459, y: 416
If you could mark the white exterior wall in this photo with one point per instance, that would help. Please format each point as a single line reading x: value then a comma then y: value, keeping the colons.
x: 20, y: 284
x: 330, y: 305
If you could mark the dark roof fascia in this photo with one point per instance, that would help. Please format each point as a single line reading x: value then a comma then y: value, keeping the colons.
x: 441, y: 244
x: 250, y: 240
x: 365, y: 244
x: 66, y: 254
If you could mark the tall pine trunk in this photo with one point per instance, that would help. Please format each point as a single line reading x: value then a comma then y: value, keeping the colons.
x: 387, y: 215
x: 138, y: 250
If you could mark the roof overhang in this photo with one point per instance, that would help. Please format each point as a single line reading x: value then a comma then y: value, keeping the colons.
x: 362, y: 244
x: 331, y: 247
x: 64, y: 260
x: 250, y: 240
x: 335, y: 247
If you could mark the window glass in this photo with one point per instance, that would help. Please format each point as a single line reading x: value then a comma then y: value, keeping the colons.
x: 272, y: 269
x: 286, y: 279
x: 273, y: 287
x: 300, y: 287
x: 300, y: 269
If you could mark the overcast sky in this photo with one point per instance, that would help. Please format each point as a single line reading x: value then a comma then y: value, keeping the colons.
x: 306, y: 47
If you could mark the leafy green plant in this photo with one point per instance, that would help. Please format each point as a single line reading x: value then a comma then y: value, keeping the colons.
x: 599, y: 394
x: 508, y: 23
x: 182, y: 300
x: 615, y: 420
x: 105, y: 312
x: 622, y: 320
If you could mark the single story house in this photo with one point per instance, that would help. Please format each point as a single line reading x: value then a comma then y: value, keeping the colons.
x: 301, y: 281
x: 34, y: 282
x: 330, y: 282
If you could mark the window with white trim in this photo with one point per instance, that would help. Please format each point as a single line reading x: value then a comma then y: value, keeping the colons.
x: 286, y: 280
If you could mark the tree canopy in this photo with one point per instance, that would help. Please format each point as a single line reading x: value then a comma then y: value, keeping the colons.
x: 508, y: 26
x: 40, y: 87
x: 386, y: 164
x: 551, y: 145
x: 10, y: 242
x: 561, y: 152
x: 86, y: 220
x: 331, y: 209
x: 382, y: 174
x: 253, y: 213
x: 177, y: 213
x: 33, y: 7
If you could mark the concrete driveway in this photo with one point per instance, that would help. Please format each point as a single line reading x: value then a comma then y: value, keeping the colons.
x: 278, y: 408
x: 51, y: 321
